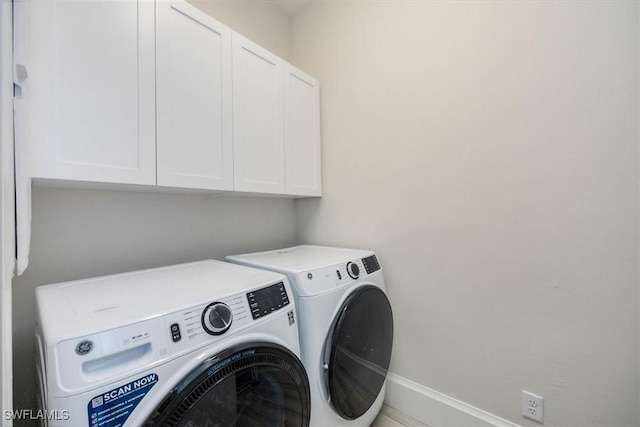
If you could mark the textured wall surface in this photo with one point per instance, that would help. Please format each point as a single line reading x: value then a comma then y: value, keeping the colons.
x: 488, y: 151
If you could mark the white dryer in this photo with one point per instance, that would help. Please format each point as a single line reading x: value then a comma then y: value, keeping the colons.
x: 199, y: 344
x: 346, y: 327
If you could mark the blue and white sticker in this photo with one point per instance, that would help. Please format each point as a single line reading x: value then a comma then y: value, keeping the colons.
x: 112, y: 408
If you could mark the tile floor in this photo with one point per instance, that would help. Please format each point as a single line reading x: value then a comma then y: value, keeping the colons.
x: 389, y: 417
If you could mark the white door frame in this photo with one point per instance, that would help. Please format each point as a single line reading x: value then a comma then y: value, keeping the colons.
x: 7, y: 208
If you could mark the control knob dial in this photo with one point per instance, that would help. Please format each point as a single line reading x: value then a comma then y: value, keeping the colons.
x: 353, y: 270
x: 217, y: 318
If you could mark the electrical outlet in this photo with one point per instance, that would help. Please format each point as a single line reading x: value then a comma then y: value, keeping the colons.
x: 533, y: 406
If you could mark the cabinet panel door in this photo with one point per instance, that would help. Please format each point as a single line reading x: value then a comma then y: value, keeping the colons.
x: 258, y: 122
x: 302, y: 133
x: 92, y: 90
x: 194, y: 99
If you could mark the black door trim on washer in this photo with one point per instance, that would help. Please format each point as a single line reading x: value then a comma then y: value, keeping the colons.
x: 358, y: 351
x: 213, y: 371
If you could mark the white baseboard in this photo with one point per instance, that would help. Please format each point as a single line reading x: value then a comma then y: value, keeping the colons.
x: 434, y: 408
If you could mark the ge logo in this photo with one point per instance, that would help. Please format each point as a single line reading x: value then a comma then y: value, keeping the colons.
x: 84, y: 347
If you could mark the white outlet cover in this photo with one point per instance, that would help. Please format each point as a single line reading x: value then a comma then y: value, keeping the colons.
x: 532, y: 406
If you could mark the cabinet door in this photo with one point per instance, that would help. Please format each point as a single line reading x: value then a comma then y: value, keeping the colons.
x: 258, y: 122
x: 302, y: 133
x: 193, y: 99
x: 91, y: 71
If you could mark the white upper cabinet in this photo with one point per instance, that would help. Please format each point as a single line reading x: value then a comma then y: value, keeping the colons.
x: 91, y: 89
x: 302, y: 133
x: 157, y: 92
x: 258, y: 118
x: 194, y: 139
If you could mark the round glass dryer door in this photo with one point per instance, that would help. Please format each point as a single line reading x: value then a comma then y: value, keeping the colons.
x: 252, y: 386
x: 358, y: 351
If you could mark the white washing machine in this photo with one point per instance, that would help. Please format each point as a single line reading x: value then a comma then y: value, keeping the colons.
x: 346, y: 328
x: 200, y: 344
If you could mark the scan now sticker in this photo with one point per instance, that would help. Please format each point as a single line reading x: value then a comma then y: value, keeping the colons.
x: 112, y: 408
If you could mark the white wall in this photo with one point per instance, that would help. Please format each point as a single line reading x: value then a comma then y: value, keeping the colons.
x: 83, y: 233
x: 488, y: 151
x: 258, y: 20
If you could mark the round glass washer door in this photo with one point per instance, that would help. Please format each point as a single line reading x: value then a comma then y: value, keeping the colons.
x: 358, y: 351
x: 251, y: 385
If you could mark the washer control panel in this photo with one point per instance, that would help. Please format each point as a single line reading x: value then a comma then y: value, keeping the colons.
x: 267, y: 300
x: 196, y: 325
x: 199, y: 325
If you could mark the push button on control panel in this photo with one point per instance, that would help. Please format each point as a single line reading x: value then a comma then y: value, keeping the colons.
x: 175, y: 332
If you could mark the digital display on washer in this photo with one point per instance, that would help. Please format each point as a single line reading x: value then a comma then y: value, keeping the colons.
x: 266, y: 300
x: 371, y: 264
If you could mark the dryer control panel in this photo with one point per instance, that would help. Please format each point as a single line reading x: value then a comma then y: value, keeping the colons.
x: 323, y: 279
x: 371, y: 264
